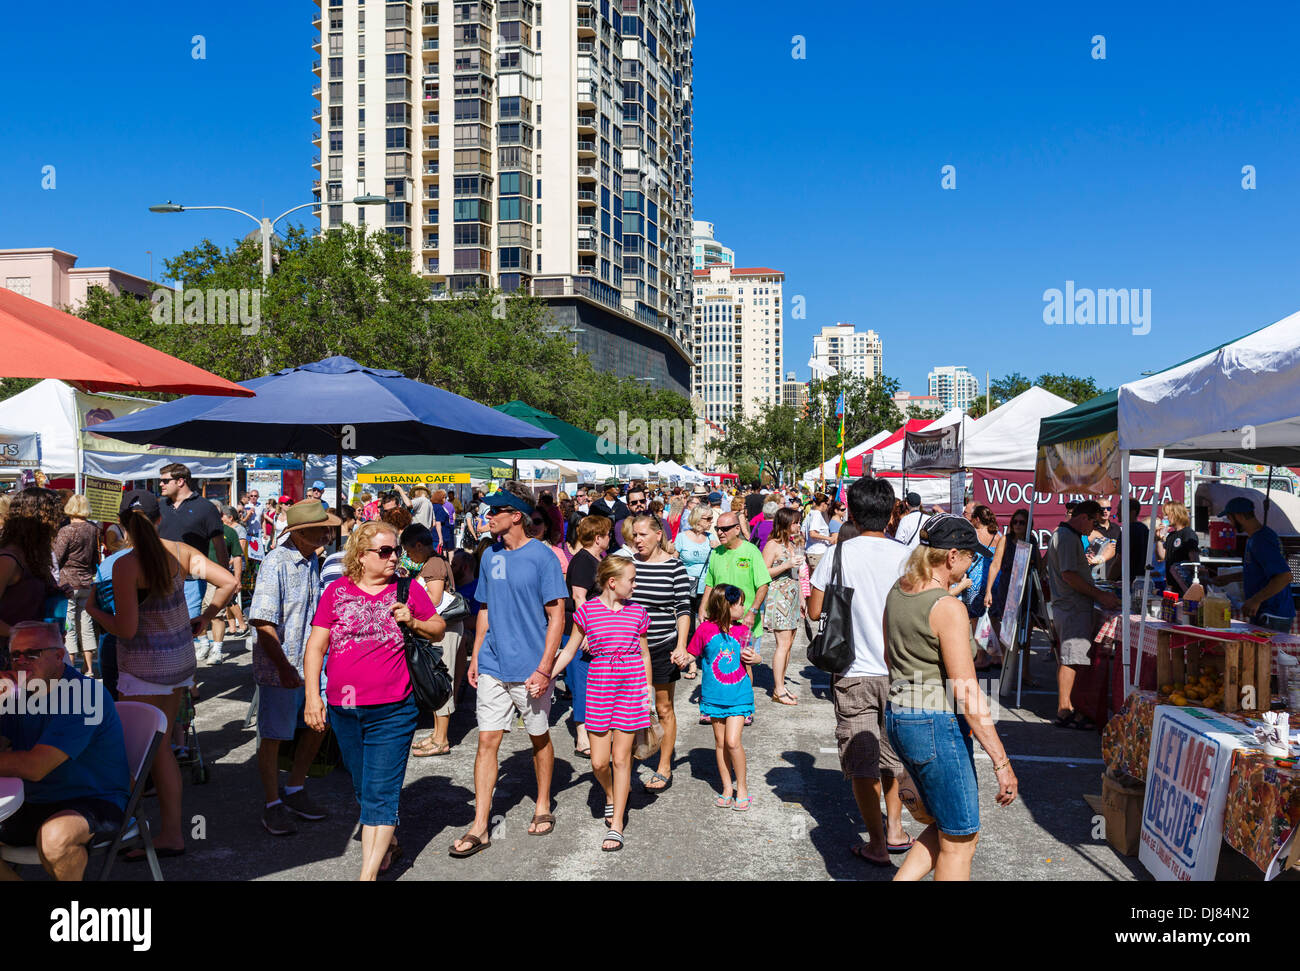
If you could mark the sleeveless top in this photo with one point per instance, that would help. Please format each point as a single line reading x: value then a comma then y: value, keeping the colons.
x: 162, y: 650
x: 24, y: 600
x: 694, y: 555
x: 916, y: 669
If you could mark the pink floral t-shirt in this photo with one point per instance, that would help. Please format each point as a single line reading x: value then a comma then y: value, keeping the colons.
x: 366, y: 664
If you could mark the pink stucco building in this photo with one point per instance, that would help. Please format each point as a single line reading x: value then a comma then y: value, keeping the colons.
x: 52, y: 277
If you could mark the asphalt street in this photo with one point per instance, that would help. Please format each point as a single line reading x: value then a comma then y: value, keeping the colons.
x: 801, y: 827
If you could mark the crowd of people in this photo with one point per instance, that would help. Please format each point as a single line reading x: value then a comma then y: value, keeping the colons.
x: 621, y: 591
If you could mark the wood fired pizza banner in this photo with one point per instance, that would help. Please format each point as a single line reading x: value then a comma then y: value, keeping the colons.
x: 1005, y: 492
x: 1087, y: 465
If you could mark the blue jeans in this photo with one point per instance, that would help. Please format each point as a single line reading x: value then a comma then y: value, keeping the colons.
x: 575, y: 676
x: 936, y: 749
x: 375, y: 741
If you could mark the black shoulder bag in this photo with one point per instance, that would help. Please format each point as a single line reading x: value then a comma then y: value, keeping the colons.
x: 430, y: 678
x: 832, y: 649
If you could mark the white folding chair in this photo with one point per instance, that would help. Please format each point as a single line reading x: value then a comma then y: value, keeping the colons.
x: 144, y: 728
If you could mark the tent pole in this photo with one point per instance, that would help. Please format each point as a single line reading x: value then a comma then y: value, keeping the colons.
x: 1126, y: 570
x: 338, y: 476
x: 1268, y: 490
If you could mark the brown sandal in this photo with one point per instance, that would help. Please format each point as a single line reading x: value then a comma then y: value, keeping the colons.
x: 785, y: 698
x: 543, y: 820
x: 420, y: 752
x: 476, y: 845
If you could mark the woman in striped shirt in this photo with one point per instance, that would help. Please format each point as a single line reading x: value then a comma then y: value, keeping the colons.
x: 663, y: 588
x: 618, y: 683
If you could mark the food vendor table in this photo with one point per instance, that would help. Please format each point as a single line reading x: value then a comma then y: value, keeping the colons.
x: 11, y: 796
x: 1262, y: 800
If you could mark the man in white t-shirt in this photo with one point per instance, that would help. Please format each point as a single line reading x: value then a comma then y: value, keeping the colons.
x: 871, y: 564
x: 909, y: 527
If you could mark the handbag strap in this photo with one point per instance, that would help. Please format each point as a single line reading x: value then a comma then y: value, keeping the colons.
x: 403, y: 589
x: 837, y: 568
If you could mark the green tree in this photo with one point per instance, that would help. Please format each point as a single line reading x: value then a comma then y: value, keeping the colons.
x: 1067, y: 386
x: 355, y: 294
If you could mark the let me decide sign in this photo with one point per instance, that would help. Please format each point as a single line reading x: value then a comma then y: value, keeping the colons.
x: 1187, y: 789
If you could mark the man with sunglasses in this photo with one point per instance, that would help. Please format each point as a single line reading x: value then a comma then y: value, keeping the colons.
x: 67, y: 747
x: 738, y: 562
x: 1073, y: 594
x: 522, y: 591
x: 189, y: 518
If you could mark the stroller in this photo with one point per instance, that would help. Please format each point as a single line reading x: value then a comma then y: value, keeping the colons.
x: 189, y: 755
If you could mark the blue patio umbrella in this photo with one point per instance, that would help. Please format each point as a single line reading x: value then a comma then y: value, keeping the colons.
x: 330, y: 407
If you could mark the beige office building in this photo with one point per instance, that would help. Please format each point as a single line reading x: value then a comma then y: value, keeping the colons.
x: 737, y: 339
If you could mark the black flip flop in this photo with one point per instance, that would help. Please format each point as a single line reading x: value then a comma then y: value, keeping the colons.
x: 856, y: 851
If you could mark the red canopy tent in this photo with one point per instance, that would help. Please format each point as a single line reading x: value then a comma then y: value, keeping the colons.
x: 856, y: 463
x: 41, y: 342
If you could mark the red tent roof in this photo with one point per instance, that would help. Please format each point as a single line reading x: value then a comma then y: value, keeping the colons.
x: 911, y: 425
x: 41, y: 342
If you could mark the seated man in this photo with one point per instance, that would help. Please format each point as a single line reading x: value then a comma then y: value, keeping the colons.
x: 67, y: 747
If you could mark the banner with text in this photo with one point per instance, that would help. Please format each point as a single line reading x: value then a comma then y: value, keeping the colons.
x: 105, y: 497
x: 1005, y: 492
x: 1088, y: 465
x: 1187, y: 790
x: 937, y: 450
x: 20, y: 450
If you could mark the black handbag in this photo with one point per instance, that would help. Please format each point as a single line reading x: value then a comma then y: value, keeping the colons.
x: 430, y: 678
x: 832, y: 649
x: 458, y: 609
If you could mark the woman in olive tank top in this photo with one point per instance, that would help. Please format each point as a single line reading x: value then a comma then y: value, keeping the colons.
x: 933, y: 693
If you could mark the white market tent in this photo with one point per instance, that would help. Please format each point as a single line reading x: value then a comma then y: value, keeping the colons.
x: 830, y: 469
x: 891, y: 456
x: 1235, y: 403
x: 58, y: 412
x: 1007, y: 437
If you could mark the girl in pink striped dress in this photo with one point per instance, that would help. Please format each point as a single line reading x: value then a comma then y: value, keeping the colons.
x: 619, y: 696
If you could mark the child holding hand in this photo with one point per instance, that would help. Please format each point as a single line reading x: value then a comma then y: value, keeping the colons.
x: 619, y: 695
x: 727, y: 693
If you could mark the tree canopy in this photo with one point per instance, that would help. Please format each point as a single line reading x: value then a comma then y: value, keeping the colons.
x: 1067, y: 386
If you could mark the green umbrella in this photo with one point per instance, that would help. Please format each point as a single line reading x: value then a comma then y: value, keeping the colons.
x: 571, y: 443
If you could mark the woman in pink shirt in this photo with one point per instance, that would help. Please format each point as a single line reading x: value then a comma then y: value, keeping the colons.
x: 371, y: 707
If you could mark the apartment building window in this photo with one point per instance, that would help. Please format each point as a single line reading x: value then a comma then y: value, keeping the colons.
x: 397, y: 15
x: 398, y: 212
x: 21, y: 285
x: 336, y: 67
x: 361, y: 67
x: 336, y: 92
x: 361, y: 94
x: 336, y: 216
x: 397, y: 164
x: 397, y: 64
x: 397, y: 40
x: 398, y: 138
x: 336, y: 166
x: 395, y: 188
x: 511, y: 258
x: 336, y: 45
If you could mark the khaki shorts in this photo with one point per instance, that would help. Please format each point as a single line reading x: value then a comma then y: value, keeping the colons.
x: 865, y: 752
x: 450, y: 645
x: 208, y: 596
x: 498, y: 701
x: 1075, y: 628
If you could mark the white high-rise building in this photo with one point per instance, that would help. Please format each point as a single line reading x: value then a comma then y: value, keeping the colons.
x: 543, y: 145
x: 955, y: 386
x: 846, y: 350
x: 737, y: 339
x: 708, y: 251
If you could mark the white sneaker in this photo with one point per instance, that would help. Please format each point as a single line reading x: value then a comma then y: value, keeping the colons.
x: 215, y: 656
x: 201, y: 647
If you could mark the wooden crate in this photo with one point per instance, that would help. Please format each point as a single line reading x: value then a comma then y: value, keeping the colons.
x: 1247, y: 668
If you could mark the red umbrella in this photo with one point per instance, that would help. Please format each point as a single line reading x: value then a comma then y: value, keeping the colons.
x: 41, y: 342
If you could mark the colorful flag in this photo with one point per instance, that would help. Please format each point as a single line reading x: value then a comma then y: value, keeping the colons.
x: 839, y: 405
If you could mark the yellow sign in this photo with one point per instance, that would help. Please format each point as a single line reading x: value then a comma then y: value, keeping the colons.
x: 422, y: 478
x: 105, y: 497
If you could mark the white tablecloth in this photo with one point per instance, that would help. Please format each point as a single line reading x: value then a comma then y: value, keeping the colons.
x: 11, y: 796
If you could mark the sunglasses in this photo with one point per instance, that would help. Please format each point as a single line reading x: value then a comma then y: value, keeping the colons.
x: 385, y: 551
x: 165, y: 481
x: 726, y: 529
x: 19, y: 655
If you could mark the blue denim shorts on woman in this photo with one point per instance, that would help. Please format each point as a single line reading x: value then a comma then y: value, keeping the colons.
x: 375, y: 741
x: 936, y: 749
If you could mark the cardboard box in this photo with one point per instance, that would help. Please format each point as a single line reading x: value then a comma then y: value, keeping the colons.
x: 1121, y: 808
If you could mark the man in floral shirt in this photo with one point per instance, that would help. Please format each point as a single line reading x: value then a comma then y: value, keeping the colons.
x: 284, y: 602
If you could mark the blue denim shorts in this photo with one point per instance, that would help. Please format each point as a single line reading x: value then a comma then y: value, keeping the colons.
x: 936, y: 749
x: 375, y: 741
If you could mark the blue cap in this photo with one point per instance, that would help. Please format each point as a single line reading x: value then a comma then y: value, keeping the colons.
x: 318, y: 484
x: 1239, y: 504
x: 715, y: 498
x: 501, y: 498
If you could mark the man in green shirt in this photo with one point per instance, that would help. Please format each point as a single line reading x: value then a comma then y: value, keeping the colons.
x: 739, y: 563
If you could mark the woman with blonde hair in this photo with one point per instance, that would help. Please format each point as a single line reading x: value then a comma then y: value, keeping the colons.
x: 663, y: 588
x: 76, y: 554
x: 935, y: 704
x: 1176, y: 544
x: 359, y: 622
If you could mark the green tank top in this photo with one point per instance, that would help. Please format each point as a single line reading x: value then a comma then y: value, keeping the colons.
x: 916, y: 669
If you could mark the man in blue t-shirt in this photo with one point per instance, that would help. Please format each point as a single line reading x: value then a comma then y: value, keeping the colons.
x: 68, y: 749
x: 519, y: 626
x: 1266, y: 578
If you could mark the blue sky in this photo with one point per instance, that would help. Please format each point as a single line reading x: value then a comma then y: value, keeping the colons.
x: 1116, y: 173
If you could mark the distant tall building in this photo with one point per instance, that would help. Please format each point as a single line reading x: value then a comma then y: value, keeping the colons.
x: 567, y: 170
x: 794, y: 393
x: 955, y: 386
x: 737, y: 339
x: 912, y: 405
x: 708, y: 251
x: 849, y: 352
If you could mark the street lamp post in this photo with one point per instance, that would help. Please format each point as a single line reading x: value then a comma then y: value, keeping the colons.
x: 266, y: 225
